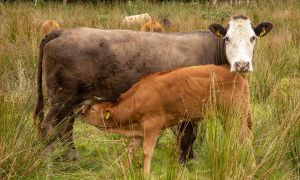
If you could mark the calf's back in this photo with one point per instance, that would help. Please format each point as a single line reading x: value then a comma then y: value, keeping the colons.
x: 183, y: 93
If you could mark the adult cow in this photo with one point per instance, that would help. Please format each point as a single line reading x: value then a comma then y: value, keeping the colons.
x: 82, y: 63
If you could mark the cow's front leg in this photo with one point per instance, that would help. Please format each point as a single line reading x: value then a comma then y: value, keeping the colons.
x: 187, y: 135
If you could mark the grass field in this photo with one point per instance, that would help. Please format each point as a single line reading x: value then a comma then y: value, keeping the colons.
x: 275, y: 97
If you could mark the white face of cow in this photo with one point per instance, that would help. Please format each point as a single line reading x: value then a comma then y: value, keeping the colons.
x: 239, y: 44
x: 240, y: 36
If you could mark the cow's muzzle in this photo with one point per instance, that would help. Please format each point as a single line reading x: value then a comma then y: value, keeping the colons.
x: 242, y: 66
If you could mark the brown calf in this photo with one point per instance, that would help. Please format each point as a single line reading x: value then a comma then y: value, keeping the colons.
x: 49, y: 26
x: 165, y: 99
x: 152, y: 26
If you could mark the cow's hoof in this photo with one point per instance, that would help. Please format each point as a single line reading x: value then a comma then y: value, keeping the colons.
x: 182, y: 158
x: 71, y: 155
x: 191, y: 155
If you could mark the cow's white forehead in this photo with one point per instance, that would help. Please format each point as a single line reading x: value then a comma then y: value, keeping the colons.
x: 240, y: 27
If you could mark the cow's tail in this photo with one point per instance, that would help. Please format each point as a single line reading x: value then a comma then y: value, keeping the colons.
x: 39, y: 113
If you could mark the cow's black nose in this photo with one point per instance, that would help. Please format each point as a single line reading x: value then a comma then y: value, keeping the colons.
x: 242, y: 66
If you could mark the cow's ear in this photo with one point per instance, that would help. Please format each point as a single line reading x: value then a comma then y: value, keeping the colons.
x: 218, y: 30
x: 263, y: 28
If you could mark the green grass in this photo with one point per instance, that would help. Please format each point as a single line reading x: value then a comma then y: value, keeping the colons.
x: 275, y: 98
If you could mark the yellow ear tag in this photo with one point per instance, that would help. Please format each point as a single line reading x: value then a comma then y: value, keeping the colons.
x: 219, y: 34
x: 106, y: 116
x: 262, y: 32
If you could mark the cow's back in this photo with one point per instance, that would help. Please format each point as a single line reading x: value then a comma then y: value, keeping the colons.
x: 107, y: 62
x: 166, y: 50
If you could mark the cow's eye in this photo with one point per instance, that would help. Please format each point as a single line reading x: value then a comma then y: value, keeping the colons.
x: 252, y: 39
x: 226, y: 39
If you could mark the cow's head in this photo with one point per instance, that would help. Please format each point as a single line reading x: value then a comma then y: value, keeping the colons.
x: 240, y: 36
x: 96, y: 114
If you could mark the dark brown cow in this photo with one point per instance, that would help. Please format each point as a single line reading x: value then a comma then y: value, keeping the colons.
x: 82, y: 63
x: 165, y: 99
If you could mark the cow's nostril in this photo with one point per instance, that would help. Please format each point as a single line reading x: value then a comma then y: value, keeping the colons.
x: 246, y: 64
x: 242, y: 66
x: 237, y: 64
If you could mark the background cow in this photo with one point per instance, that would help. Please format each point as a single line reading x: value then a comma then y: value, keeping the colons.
x: 136, y: 19
x: 82, y: 63
x: 152, y: 26
x: 49, y: 26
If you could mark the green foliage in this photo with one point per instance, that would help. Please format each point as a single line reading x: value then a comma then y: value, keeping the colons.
x: 274, y: 88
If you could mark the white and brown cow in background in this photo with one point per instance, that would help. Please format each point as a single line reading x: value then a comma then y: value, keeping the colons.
x: 136, y: 19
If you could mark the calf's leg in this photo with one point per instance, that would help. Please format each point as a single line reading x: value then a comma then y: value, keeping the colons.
x: 246, y: 137
x: 151, y: 133
x: 133, y: 146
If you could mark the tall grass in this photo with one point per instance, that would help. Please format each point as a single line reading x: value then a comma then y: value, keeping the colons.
x: 274, y: 84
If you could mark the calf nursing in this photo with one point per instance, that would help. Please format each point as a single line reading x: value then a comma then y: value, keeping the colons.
x: 166, y: 99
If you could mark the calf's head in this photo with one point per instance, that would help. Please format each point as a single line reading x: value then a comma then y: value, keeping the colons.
x: 239, y: 37
x: 97, y: 114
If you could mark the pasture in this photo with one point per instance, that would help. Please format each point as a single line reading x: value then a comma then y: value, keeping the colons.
x: 274, y: 85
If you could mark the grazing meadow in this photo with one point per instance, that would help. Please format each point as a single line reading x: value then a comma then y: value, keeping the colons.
x: 274, y: 85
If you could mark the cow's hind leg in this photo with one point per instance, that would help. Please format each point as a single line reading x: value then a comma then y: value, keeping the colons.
x: 63, y: 97
x: 66, y: 136
x: 187, y: 135
x: 58, y: 124
x: 46, y: 128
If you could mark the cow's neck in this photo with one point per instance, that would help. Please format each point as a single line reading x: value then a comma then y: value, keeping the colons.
x: 220, y: 58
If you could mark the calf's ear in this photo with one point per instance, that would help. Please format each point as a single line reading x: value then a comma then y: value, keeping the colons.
x: 84, y: 108
x: 106, y: 114
x: 263, y: 28
x: 218, y: 30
